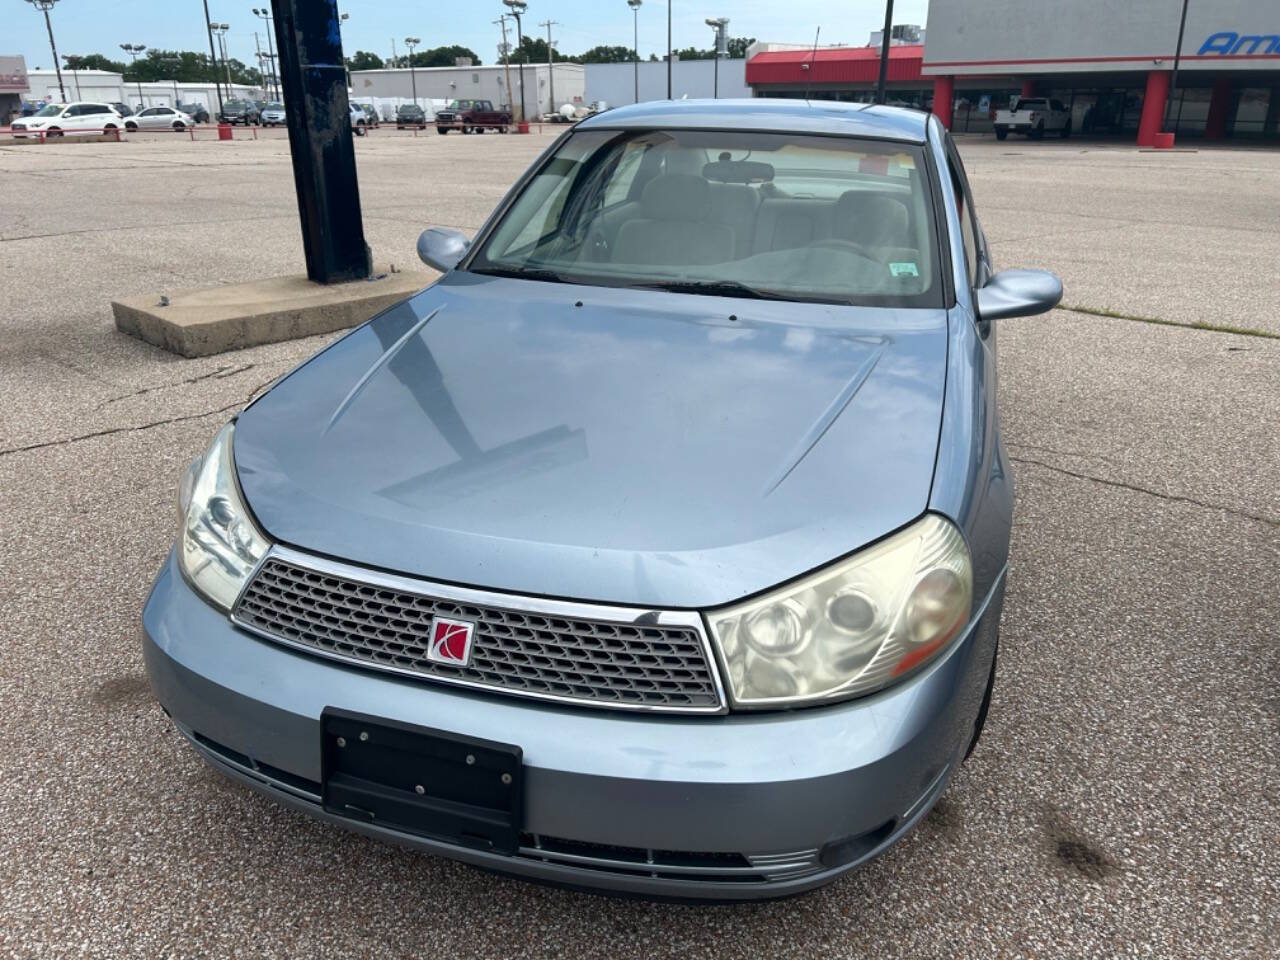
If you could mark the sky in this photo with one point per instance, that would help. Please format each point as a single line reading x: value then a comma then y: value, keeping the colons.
x: 95, y: 26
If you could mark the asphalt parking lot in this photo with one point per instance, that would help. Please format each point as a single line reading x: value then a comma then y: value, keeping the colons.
x: 1124, y: 800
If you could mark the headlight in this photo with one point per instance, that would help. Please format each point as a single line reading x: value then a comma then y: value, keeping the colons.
x: 855, y: 627
x: 219, y: 544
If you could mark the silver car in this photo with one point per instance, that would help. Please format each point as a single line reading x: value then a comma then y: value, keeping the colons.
x: 158, y: 118
x: 659, y: 547
x: 273, y: 115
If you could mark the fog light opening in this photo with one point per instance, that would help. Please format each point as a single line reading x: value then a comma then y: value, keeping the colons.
x: 838, y: 853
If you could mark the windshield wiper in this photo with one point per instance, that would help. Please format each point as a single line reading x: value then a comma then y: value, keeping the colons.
x: 522, y: 273
x: 717, y: 288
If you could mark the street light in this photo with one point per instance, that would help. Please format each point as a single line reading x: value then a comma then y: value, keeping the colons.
x: 518, y: 7
x: 221, y: 30
x: 44, y: 6
x: 133, y: 50
x: 718, y: 24
x: 635, y: 17
x: 345, y: 66
x: 412, y: 42
x: 265, y: 14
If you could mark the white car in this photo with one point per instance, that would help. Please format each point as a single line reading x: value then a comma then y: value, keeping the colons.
x: 1034, y: 116
x: 359, y: 120
x: 58, y: 119
x: 159, y: 118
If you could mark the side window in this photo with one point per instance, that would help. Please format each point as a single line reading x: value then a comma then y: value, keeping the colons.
x: 968, y: 228
x: 1057, y: 104
x: 73, y: 112
x: 624, y: 175
x: 97, y: 108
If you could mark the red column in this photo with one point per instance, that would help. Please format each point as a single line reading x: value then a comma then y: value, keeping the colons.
x: 943, y: 105
x: 1028, y: 87
x: 1153, y: 107
x: 1219, y: 103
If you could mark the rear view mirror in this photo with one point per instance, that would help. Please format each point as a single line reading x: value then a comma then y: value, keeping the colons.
x: 442, y: 248
x: 1018, y: 293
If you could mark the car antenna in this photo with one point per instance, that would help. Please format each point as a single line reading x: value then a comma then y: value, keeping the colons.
x: 808, y: 67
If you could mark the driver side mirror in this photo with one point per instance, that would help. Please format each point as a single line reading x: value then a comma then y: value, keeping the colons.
x: 1018, y: 293
x: 441, y: 248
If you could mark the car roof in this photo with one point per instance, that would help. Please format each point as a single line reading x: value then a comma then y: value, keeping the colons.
x: 765, y: 114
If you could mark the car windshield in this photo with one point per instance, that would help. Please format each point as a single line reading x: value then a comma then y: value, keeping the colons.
x: 771, y: 215
x: 461, y: 104
x: 275, y: 106
x: 51, y: 110
x: 235, y: 105
x: 1031, y: 105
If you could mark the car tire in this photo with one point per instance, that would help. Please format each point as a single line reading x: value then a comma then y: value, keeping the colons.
x: 502, y: 129
x: 981, y: 721
x: 131, y: 127
x: 442, y: 130
x: 1066, y: 130
x: 1001, y: 134
x: 179, y: 125
x: 52, y: 132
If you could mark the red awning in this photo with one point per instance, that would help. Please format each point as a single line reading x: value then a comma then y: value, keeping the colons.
x: 834, y: 65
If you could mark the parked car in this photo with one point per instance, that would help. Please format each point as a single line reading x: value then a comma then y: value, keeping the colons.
x: 358, y: 120
x: 370, y: 114
x: 1034, y: 116
x: 410, y: 115
x: 472, y: 116
x: 239, y: 111
x: 273, y: 114
x: 159, y: 118
x: 654, y: 548
x: 123, y: 109
x: 58, y: 119
x: 197, y: 111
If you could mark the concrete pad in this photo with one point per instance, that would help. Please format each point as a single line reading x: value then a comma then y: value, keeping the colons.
x: 70, y: 138
x: 198, y: 323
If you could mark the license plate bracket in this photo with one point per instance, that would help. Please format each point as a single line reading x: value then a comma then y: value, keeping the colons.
x: 427, y: 782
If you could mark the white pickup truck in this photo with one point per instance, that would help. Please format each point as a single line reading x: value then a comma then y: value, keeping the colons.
x: 1034, y: 116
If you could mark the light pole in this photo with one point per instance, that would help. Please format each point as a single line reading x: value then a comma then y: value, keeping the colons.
x: 265, y: 14
x: 668, y: 49
x: 221, y: 30
x: 44, y: 6
x: 213, y: 56
x: 74, y: 61
x: 635, y: 17
x: 504, y: 49
x: 412, y: 42
x: 133, y: 49
x: 345, y: 66
x: 518, y: 7
x: 718, y: 24
x: 884, y: 50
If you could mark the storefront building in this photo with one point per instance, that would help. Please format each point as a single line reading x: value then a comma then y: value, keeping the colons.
x: 1110, y: 64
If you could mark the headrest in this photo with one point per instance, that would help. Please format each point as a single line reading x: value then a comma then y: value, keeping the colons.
x: 676, y: 196
x: 871, y: 218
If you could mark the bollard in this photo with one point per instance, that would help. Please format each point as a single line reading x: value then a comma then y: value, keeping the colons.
x: 1163, y: 141
x: 523, y: 127
x: 224, y: 131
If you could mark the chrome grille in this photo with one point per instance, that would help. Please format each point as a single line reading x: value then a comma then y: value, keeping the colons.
x: 384, y: 622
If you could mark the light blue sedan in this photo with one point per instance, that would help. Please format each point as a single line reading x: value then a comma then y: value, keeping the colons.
x: 658, y: 547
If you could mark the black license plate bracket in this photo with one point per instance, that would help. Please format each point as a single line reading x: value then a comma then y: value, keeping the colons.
x: 427, y: 782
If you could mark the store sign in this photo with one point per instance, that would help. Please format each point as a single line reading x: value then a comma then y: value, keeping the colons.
x: 1232, y: 44
x: 13, y: 75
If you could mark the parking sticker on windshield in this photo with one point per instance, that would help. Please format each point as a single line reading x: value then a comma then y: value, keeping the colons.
x: 904, y: 268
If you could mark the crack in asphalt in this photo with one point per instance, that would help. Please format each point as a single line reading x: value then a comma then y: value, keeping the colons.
x: 1160, y: 322
x: 222, y: 373
x: 1061, y: 453
x: 133, y: 428
x: 1135, y: 488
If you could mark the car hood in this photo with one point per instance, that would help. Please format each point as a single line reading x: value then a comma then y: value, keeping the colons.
x: 620, y: 446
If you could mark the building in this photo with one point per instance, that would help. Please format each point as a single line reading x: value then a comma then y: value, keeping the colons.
x: 442, y: 84
x: 14, y: 85
x: 615, y: 83
x: 105, y: 87
x: 1110, y: 64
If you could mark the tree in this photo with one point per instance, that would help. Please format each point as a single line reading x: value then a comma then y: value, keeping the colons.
x: 607, y: 54
x: 738, y: 46
x: 364, y: 60
x: 693, y: 53
x: 96, y: 61
x: 442, y: 56
x: 535, y: 51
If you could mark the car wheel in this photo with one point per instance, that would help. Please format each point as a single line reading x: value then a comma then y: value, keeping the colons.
x: 1001, y: 134
x: 442, y: 130
x: 53, y: 132
x: 179, y: 125
x: 986, y: 703
x: 502, y: 129
x: 131, y: 127
x: 1066, y: 130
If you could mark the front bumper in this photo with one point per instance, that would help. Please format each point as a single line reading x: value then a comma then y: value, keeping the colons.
x: 737, y: 807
